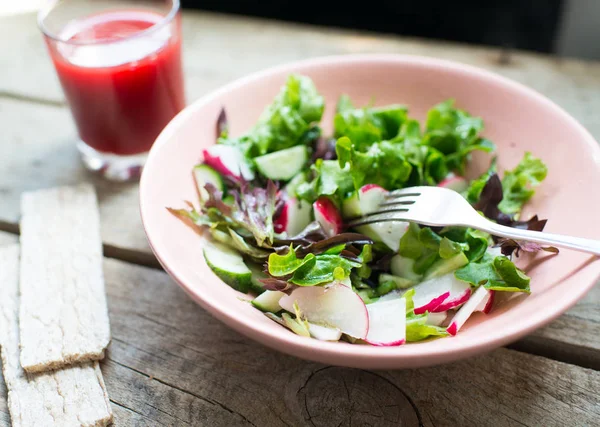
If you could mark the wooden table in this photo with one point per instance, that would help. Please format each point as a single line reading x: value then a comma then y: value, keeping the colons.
x: 170, y: 363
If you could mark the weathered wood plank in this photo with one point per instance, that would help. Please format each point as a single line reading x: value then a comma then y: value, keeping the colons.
x: 7, y: 238
x: 172, y: 362
x: 41, y: 153
x: 72, y: 396
x: 573, y: 337
x: 219, y: 48
x: 63, y: 317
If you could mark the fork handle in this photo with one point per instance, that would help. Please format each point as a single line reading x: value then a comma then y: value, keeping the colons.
x: 577, y: 243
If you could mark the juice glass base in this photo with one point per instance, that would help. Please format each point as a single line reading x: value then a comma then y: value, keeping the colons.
x: 112, y: 166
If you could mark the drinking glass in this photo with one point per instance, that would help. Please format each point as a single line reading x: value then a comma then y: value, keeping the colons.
x: 119, y: 64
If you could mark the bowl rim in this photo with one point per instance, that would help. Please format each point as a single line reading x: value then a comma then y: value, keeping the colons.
x: 355, y: 355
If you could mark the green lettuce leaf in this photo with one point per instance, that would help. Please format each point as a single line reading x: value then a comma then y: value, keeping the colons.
x: 473, y: 242
x: 327, y: 268
x: 329, y: 179
x: 383, y: 163
x: 287, y: 122
x: 365, y: 126
x: 494, y: 273
x: 410, y: 304
x: 418, y: 330
x: 310, y: 270
x: 288, y: 263
x: 476, y: 186
x: 448, y: 248
x: 517, y: 184
x: 455, y: 134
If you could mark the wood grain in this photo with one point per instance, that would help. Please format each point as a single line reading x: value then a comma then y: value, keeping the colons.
x: 71, y: 397
x: 63, y: 316
x: 217, y: 49
x: 172, y: 362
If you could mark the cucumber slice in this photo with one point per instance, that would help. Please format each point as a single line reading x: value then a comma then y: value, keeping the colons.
x: 284, y: 164
x: 295, y: 182
x: 400, y: 282
x: 268, y: 301
x: 445, y: 266
x: 221, y: 237
x: 404, y: 267
x: 388, y: 233
x: 204, y: 174
x: 228, y: 265
x: 257, y: 274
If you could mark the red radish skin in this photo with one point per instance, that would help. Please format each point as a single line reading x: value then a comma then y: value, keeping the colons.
x: 452, y: 329
x: 453, y: 182
x: 328, y: 216
x: 387, y: 344
x: 216, y: 163
x: 480, y: 298
x: 228, y: 161
x: 490, y: 303
x: 433, y: 304
x: 387, y: 323
x: 293, y: 218
x: 281, y: 221
x: 456, y: 291
x: 336, y: 305
x: 368, y: 187
x: 450, y: 304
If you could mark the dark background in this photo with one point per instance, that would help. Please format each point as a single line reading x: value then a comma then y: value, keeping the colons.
x: 525, y: 24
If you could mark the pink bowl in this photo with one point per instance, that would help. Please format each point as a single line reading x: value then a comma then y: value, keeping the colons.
x: 517, y: 119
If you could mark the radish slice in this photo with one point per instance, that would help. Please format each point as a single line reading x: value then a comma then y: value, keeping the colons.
x: 388, y: 232
x: 486, y: 305
x: 453, y: 182
x: 228, y: 161
x: 387, y: 323
x: 480, y: 297
x: 324, y: 333
x: 337, y: 306
x: 327, y: 216
x: 294, y: 217
x: 436, y: 319
x: 365, y: 201
x: 440, y: 294
x: 395, y: 294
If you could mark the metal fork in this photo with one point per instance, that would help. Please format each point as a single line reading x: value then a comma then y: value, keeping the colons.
x: 436, y: 206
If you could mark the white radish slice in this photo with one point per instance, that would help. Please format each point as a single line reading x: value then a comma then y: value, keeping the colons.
x: 440, y: 294
x: 324, y: 333
x: 388, y: 232
x: 453, y: 182
x: 365, y: 201
x: 395, y: 294
x: 480, y: 296
x: 436, y: 319
x: 346, y: 282
x: 328, y: 216
x: 336, y: 305
x: 228, y: 161
x: 294, y: 217
x: 485, y: 306
x: 387, y: 323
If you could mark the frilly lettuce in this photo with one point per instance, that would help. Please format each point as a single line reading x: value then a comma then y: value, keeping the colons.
x: 494, y: 273
x: 288, y: 121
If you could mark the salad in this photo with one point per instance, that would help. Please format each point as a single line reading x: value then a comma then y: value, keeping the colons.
x: 275, y: 201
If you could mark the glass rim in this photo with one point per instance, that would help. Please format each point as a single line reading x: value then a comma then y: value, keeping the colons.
x: 50, y: 5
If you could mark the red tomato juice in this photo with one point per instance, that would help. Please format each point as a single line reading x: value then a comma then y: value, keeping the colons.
x: 123, y: 84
